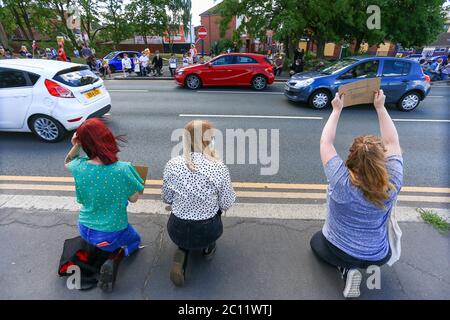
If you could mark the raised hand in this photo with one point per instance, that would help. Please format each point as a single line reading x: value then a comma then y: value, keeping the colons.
x: 379, y: 99
x: 338, y: 102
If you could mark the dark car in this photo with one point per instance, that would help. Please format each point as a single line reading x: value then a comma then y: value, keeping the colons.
x: 115, y: 59
x: 402, y: 80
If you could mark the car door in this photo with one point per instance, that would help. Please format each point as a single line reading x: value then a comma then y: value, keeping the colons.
x: 243, y: 70
x: 360, y: 71
x: 117, y: 62
x: 219, y: 72
x: 394, y: 78
x: 15, y: 98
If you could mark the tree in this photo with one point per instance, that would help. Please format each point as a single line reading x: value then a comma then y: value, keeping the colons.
x: 147, y: 17
x: 118, y: 28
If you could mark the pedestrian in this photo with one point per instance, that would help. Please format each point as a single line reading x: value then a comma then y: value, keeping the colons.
x: 190, y: 59
x: 296, y: 67
x: 126, y: 65
x: 104, y: 187
x: 299, y: 54
x: 137, y: 65
x: 61, y: 54
x: 198, y: 187
x: 143, y: 61
x: 54, y: 53
x: 2, y: 52
x: 185, y: 60
x: 172, y: 64
x: 106, y: 70
x: 76, y: 53
x: 279, y: 65
x: 157, y: 63
x: 434, y: 71
x: 361, y: 196
x: 193, y: 52
x: 86, y: 52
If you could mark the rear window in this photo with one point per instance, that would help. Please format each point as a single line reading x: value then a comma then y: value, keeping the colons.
x: 76, y: 77
x: 392, y: 68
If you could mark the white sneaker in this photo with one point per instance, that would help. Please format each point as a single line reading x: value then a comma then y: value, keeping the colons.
x: 352, y: 284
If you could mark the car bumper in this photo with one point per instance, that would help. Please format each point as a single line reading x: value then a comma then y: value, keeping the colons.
x: 179, y: 79
x: 297, y: 95
x: 72, y: 116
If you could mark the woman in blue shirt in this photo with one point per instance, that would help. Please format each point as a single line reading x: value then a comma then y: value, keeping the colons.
x: 361, y: 194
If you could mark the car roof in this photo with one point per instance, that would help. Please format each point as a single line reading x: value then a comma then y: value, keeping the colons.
x: 362, y: 58
x: 37, y: 65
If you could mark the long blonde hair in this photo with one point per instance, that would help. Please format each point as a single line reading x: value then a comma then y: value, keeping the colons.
x: 197, y: 137
x: 367, y: 165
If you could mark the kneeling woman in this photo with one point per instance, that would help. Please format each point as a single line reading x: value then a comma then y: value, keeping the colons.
x: 104, y: 186
x: 198, y: 187
x: 361, y: 195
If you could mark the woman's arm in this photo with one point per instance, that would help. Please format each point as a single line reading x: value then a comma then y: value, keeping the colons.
x: 388, y: 131
x: 327, y: 150
x: 134, y: 198
x: 74, y: 152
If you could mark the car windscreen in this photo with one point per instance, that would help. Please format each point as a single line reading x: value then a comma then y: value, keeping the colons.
x: 76, y: 77
x: 337, y: 66
x: 110, y: 55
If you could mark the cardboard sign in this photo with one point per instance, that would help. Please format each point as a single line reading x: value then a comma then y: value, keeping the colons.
x: 360, y: 92
x: 143, y: 172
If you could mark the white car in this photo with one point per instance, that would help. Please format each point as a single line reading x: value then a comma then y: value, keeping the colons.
x: 49, y: 97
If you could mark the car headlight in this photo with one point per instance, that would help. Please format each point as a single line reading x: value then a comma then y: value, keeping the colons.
x: 179, y: 73
x: 303, y: 83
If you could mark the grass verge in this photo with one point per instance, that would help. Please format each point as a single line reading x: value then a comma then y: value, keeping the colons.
x: 431, y: 217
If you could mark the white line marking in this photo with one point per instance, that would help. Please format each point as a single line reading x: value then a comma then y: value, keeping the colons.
x: 435, y: 96
x: 241, y: 210
x: 128, y: 90
x: 420, y: 120
x: 247, y: 116
x: 239, y: 92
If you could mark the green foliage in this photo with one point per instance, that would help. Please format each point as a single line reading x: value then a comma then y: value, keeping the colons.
x: 434, y: 219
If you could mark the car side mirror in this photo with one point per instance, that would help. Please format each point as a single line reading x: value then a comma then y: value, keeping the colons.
x: 209, y: 64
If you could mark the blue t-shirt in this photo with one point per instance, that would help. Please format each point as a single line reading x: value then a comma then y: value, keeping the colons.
x: 354, y: 224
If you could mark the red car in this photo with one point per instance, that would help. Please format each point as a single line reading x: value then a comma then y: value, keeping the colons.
x: 233, y: 69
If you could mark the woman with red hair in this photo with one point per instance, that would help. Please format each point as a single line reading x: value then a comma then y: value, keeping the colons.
x: 104, y: 186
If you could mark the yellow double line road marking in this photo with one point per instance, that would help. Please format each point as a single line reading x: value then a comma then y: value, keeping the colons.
x: 271, y: 190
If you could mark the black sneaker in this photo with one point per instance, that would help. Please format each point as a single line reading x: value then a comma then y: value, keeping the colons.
x: 177, y: 274
x: 209, y: 252
x: 108, y: 272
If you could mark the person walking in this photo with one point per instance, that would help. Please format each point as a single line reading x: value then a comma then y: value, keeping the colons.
x: 86, y: 52
x: 157, y: 63
x: 198, y: 187
x: 172, y: 64
x: 104, y: 186
x: 361, y: 195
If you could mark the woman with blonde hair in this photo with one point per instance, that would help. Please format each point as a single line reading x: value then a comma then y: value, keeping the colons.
x: 361, y: 194
x: 198, y: 187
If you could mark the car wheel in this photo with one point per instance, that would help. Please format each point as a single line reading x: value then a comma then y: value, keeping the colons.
x: 259, y: 82
x: 193, y: 82
x: 409, y: 101
x: 47, y: 128
x: 320, y: 99
x: 112, y: 68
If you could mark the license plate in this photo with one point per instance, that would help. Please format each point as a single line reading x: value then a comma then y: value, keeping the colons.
x: 92, y: 93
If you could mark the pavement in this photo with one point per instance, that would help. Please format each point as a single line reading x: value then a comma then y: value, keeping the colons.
x: 264, y: 252
x: 256, y: 259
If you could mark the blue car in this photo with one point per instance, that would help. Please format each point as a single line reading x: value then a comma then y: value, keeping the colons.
x: 115, y: 59
x: 402, y: 81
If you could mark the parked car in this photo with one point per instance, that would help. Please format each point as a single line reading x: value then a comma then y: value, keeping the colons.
x: 403, y: 81
x: 115, y: 59
x: 49, y: 97
x: 233, y: 69
x: 415, y: 57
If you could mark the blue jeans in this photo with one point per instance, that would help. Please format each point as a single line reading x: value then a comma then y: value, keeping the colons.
x: 128, y: 239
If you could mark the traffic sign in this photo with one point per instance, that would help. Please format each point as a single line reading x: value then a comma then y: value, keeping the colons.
x: 202, y: 33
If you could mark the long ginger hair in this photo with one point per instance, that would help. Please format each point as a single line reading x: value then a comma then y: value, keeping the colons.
x: 367, y: 165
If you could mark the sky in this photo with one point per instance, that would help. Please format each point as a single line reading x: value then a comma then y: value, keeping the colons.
x: 199, y: 6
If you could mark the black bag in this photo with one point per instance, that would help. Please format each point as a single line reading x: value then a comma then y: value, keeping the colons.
x: 87, y: 257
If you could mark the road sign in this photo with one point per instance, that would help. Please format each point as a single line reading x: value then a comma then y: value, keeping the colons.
x: 202, y: 33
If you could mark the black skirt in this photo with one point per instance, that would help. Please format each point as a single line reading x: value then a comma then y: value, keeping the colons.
x: 194, y: 234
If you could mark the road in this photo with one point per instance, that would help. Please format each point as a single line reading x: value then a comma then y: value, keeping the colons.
x: 264, y: 252
x: 149, y: 111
